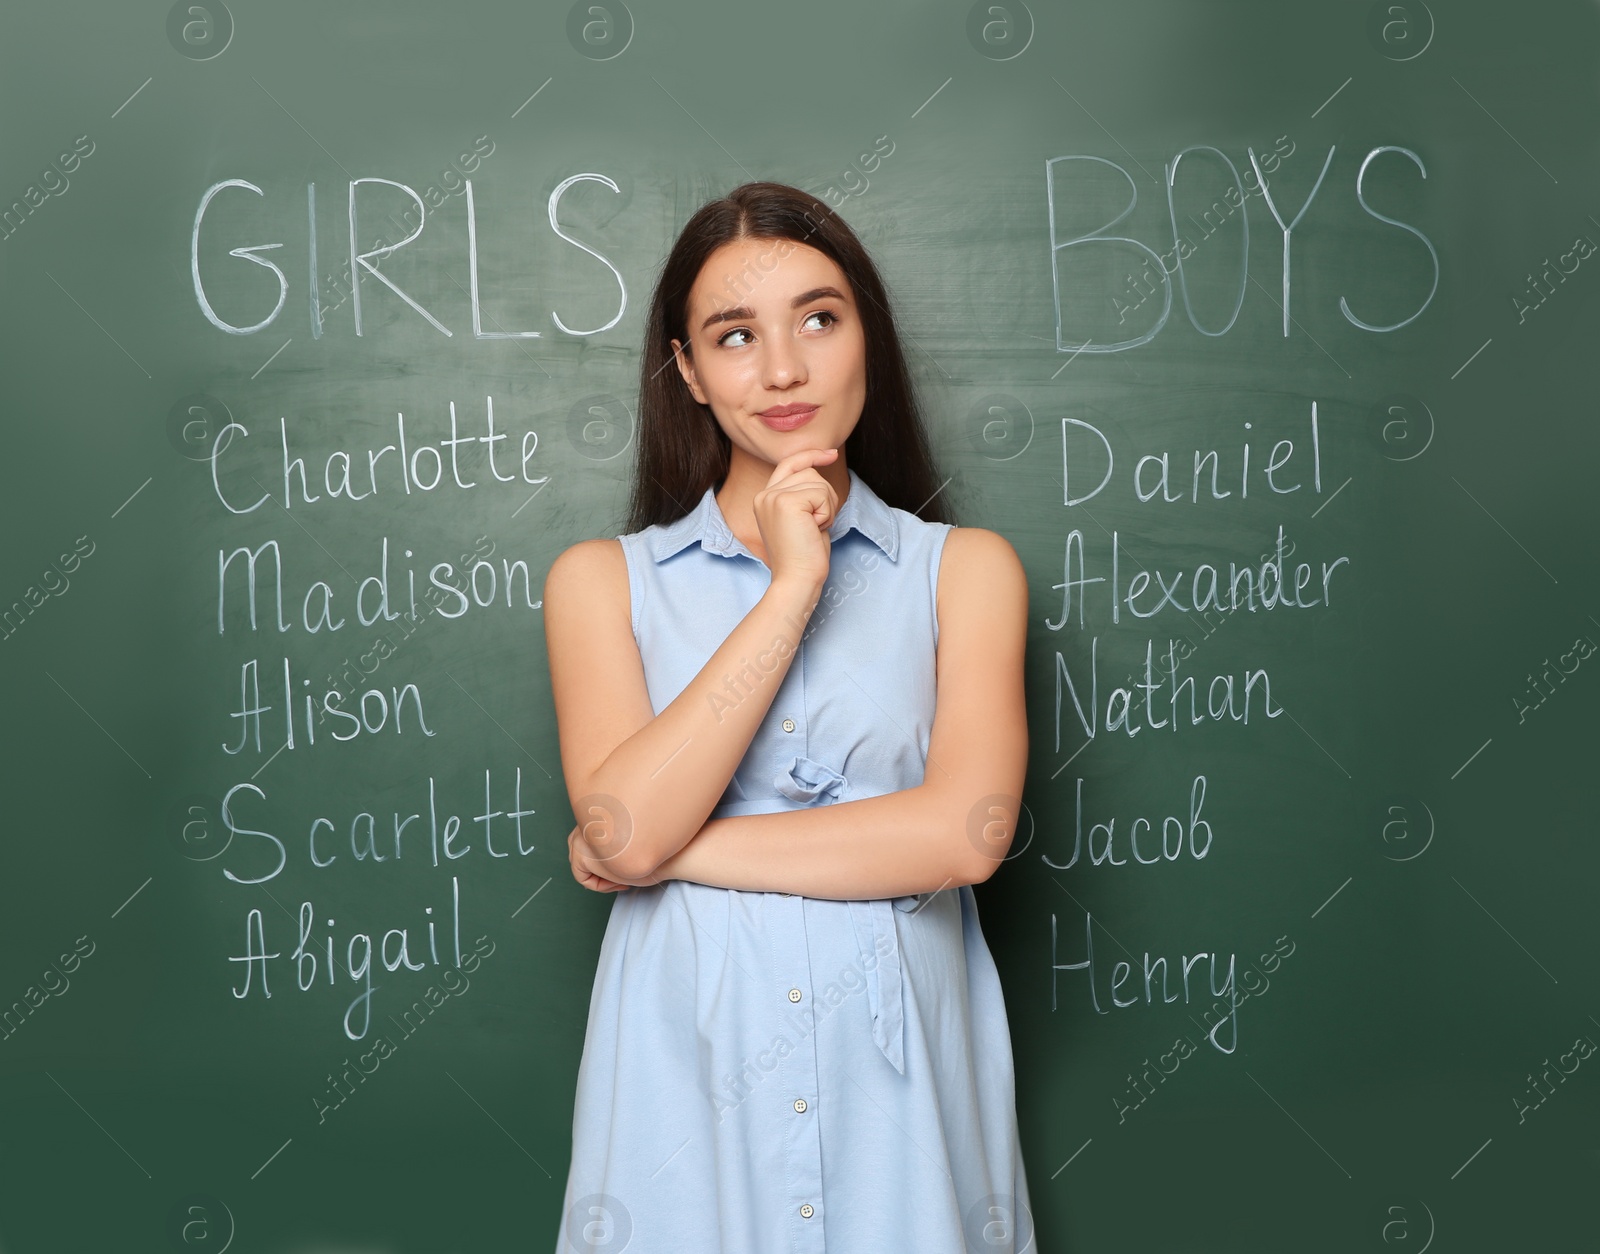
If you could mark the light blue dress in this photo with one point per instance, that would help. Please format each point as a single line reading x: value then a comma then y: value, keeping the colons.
x: 767, y: 1073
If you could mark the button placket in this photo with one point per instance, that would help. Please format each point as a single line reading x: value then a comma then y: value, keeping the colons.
x: 798, y: 1073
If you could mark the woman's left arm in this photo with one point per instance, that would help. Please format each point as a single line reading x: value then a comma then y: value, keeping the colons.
x: 956, y: 826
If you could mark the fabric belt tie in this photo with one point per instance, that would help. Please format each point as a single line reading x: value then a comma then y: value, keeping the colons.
x: 885, y: 985
x: 809, y: 782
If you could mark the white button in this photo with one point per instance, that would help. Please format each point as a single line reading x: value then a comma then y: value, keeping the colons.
x: 794, y: 994
x: 799, y: 1105
x: 806, y: 1212
x: 788, y: 724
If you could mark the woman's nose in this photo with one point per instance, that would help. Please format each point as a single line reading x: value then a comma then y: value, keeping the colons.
x: 784, y: 364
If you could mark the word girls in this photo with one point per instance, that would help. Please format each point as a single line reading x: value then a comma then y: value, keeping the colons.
x: 361, y: 262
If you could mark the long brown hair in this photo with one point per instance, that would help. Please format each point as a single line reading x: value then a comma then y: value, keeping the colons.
x: 682, y: 451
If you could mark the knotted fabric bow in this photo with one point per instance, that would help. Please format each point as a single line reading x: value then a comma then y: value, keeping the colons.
x: 809, y: 782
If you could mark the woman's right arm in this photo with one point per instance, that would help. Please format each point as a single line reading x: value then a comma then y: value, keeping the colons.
x: 642, y: 785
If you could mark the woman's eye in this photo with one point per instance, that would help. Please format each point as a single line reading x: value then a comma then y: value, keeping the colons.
x: 726, y: 338
x: 823, y: 313
x: 735, y: 331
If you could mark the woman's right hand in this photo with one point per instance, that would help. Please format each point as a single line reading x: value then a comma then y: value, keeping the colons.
x: 794, y: 512
x: 582, y: 859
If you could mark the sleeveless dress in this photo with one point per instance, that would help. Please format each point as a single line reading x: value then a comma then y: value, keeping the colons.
x: 766, y: 1073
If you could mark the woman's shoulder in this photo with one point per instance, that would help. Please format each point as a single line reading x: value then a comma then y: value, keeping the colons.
x: 587, y: 569
x: 980, y: 543
x: 977, y: 562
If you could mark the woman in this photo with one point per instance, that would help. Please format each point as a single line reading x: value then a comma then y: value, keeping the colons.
x: 793, y: 733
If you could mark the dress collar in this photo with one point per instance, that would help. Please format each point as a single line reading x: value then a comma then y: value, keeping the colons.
x: 863, y: 509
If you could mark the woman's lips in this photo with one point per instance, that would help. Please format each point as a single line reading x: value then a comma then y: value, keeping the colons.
x: 787, y: 417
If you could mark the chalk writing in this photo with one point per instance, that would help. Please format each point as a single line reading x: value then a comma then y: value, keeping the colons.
x: 1156, y: 484
x: 418, y: 466
x: 451, y: 984
x: 1225, y: 700
x: 1063, y: 239
x: 1120, y: 972
x: 308, y: 957
x: 363, y: 834
x: 1268, y: 583
x: 317, y: 606
x: 362, y: 261
x: 1169, y: 846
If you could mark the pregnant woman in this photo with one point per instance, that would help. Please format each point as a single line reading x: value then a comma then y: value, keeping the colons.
x: 790, y: 702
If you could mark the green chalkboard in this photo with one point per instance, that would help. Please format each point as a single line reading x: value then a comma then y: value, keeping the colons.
x: 1261, y: 331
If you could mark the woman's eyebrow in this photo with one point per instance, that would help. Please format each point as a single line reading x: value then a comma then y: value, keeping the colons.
x: 815, y: 295
x: 739, y: 313
x: 743, y: 313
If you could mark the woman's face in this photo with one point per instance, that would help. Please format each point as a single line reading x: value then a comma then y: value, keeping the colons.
x: 773, y: 326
